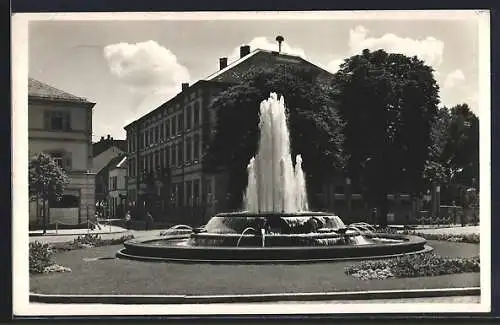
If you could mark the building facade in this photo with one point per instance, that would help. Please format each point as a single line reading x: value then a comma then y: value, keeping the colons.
x: 105, y: 151
x: 60, y: 124
x: 118, y: 187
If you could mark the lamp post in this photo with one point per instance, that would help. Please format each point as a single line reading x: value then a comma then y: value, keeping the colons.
x: 44, y: 196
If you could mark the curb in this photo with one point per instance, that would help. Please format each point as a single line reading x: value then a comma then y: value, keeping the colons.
x: 273, y: 297
x: 78, y: 234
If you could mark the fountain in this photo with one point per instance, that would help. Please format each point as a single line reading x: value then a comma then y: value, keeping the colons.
x: 276, y: 225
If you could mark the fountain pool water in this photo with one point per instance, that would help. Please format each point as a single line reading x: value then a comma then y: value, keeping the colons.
x: 276, y: 225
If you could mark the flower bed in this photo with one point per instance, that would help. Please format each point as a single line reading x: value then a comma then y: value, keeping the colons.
x: 407, y: 266
x: 41, y: 256
x: 461, y: 238
x: 89, y: 240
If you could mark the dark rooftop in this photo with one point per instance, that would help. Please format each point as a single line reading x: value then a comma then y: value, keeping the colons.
x: 38, y: 89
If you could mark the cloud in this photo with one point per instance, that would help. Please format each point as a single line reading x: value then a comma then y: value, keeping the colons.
x: 264, y: 43
x: 334, y: 65
x: 454, y: 79
x: 145, y: 66
x: 428, y: 49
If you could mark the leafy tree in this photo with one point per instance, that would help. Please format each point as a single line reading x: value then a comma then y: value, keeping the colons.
x: 46, y: 181
x: 316, y: 130
x: 462, y: 148
x: 389, y: 102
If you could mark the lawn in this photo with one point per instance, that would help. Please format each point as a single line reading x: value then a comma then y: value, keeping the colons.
x: 121, y: 276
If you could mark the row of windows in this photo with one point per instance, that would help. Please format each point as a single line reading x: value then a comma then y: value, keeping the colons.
x: 173, y: 155
x: 171, y: 127
x: 192, y: 193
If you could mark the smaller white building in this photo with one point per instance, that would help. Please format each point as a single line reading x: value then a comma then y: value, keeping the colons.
x: 117, y: 197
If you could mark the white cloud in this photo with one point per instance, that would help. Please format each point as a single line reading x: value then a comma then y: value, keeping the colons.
x: 454, y: 79
x: 334, y: 65
x: 145, y: 66
x: 264, y: 43
x: 428, y: 49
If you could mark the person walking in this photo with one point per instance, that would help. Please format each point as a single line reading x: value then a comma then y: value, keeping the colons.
x: 128, y: 220
x: 149, y: 220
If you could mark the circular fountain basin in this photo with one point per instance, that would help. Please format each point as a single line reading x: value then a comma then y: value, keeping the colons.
x: 233, y: 237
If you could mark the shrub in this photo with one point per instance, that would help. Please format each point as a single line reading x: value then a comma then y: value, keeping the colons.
x: 40, y: 257
x: 407, y: 266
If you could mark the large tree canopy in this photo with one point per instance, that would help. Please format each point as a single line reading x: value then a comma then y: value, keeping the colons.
x: 46, y: 179
x: 389, y: 102
x: 456, y: 156
x: 316, y: 131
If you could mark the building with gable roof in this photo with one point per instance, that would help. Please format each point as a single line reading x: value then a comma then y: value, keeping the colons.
x: 60, y: 124
x: 166, y: 172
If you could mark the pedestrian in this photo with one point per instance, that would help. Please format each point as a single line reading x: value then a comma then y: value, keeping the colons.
x: 149, y: 220
x: 128, y: 220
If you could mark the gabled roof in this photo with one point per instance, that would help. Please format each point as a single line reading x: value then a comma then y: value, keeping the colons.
x: 103, y: 145
x: 233, y: 73
x: 112, y: 164
x: 38, y: 89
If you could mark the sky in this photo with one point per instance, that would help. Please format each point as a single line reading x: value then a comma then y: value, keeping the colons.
x: 128, y: 68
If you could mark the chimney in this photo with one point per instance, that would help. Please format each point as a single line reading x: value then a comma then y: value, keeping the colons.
x: 244, y: 50
x: 109, y: 137
x: 185, y: 86
x: 222, y: 63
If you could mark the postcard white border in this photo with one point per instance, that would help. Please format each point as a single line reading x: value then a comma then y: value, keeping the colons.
x: 21, y: 304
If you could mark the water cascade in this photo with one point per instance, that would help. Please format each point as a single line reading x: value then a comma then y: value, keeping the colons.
x: 274, y: 184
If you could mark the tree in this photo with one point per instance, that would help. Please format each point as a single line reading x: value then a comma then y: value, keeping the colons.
x: 46, y: 181
x: 389, y: 102
x: 316, y: 130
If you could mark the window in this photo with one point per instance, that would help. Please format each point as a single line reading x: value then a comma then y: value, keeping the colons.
x: 113, y: 183
x: 167, y: 128
x: 151, y: 139
x: 57, y: 120
x: 151, y: 166
x: 188, y: 117
x: 209, y: 191
x: 196, y: 192
x: 188, y: 149
x: 62, y: 159
x: 173, y: 157
x: 196, y: 145
x: 157, y: 159
x: 180, y: 122
x: 180, y: 153
x: 146, y: 137
x: 167, y: 156
x: 130, y: 168
x: 161, y: 132
x: 157, y: 134
x: 196, y: 113
x: 173, y: 125
x: 189, y: 193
